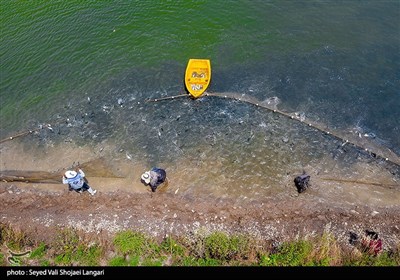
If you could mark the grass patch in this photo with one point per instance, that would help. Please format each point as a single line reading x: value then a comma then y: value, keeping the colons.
x: 172, y: 247
x: 289, y: 254
x: 128, y: 242
x: 2, y: 259
x: 15, y: 239
x: 138, y: 247
x: 190, y: 261
x: 72, y: 250
x: 39, y: 252
x: 128, y: 248
x: 134, y: 261
x: 118, y: 261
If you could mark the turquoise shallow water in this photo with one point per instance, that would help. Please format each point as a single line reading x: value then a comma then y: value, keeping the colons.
x: 96, y: 62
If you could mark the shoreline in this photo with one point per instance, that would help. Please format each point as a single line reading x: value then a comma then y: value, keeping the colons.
x: 125, y: 203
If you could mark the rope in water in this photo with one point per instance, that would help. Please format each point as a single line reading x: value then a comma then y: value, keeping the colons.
x: 48, y: 126
x: 255, y: 102
x: 360, y: 182
x: 25, y: 133
x: 166, y: 98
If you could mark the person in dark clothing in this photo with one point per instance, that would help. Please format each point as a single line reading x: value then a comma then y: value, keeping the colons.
x: 154, y: 177
x: 302, y: 182
x: 371, y: 243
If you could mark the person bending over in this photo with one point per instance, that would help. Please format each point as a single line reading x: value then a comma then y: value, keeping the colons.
x: 154, y: 177
x: 75, y: 180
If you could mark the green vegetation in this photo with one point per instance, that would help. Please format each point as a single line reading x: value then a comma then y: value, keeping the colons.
x: 128, y: 248
x: 69, y: 249
x: 2, y: 259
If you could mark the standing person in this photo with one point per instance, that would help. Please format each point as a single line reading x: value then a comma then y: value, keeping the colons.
x: 154, y: 177
x: 75, y: 180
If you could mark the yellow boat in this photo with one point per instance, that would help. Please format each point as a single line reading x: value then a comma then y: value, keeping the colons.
x: 197, y: 76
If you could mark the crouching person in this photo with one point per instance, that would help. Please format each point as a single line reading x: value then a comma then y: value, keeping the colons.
x: 302, y: 182
x: 155, y: 177
x: 75, y: 180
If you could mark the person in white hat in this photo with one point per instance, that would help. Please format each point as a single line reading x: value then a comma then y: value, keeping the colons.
x: 154, y: 177
x: 75, y: 180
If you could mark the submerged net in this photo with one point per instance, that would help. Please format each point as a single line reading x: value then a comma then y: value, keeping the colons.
x: 233, y: 145
x: 242, y: 141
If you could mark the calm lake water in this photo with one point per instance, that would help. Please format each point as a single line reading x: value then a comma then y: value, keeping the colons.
x: 87, y: 68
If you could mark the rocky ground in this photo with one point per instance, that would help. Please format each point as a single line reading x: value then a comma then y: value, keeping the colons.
x: 160, y: 214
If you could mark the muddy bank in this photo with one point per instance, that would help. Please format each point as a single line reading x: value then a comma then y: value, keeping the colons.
x: 160, y: 214
x: 123, y: 202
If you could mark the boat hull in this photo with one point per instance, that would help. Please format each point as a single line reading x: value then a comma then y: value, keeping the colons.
x: 197, y: 76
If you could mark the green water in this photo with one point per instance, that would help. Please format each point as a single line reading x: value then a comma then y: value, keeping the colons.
x: 55, y: 50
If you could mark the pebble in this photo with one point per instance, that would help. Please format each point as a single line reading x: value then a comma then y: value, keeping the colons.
x: 374, y: 213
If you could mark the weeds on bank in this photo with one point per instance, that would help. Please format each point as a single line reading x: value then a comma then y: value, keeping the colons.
x: 136, y: 249
x: 129, y: 248
x: 16, y: 239
x: 70, y: 249
x: 2, y: 260
x: 323, y: 251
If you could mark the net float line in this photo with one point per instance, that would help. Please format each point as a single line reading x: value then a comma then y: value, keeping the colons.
x: 49, y: 126
x: 390, y: 186
x: 94, y: 168
x: 26, y: 133
x: 31, y: 131
x: 393, y: 158
x: 166, y: 98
